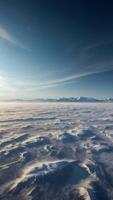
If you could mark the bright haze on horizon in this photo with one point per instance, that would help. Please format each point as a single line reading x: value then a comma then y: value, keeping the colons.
x: 52, y: 49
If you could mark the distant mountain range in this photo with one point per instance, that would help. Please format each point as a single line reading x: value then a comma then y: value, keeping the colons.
x: 64, y: 99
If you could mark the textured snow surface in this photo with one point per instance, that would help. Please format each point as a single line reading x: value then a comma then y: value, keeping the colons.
x: 60, y: 151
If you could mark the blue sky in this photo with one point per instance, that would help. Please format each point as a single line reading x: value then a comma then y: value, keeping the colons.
x: 56, y: 48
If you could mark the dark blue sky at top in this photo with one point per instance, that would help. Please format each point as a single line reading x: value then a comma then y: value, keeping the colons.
x: 55, y: 48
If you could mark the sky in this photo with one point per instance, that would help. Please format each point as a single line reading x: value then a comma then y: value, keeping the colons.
x: 56, y: 48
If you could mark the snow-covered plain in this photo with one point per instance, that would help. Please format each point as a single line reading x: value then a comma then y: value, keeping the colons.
x: 60, y: 151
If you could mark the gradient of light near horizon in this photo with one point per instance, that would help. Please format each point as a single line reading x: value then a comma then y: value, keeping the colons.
x: 52, y: 49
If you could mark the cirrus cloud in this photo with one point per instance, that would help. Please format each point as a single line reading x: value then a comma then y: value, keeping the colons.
x: 5, y: 35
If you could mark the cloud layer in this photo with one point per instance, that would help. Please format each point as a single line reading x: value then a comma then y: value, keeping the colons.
x: 46, y: 148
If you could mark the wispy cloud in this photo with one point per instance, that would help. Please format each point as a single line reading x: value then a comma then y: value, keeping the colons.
x: 99, y: 44
x: 5, y: 35
x: 13, y: 88
x: 68, y: 79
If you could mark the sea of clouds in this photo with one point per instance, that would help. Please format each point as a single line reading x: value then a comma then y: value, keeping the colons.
x: 56, y: 151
